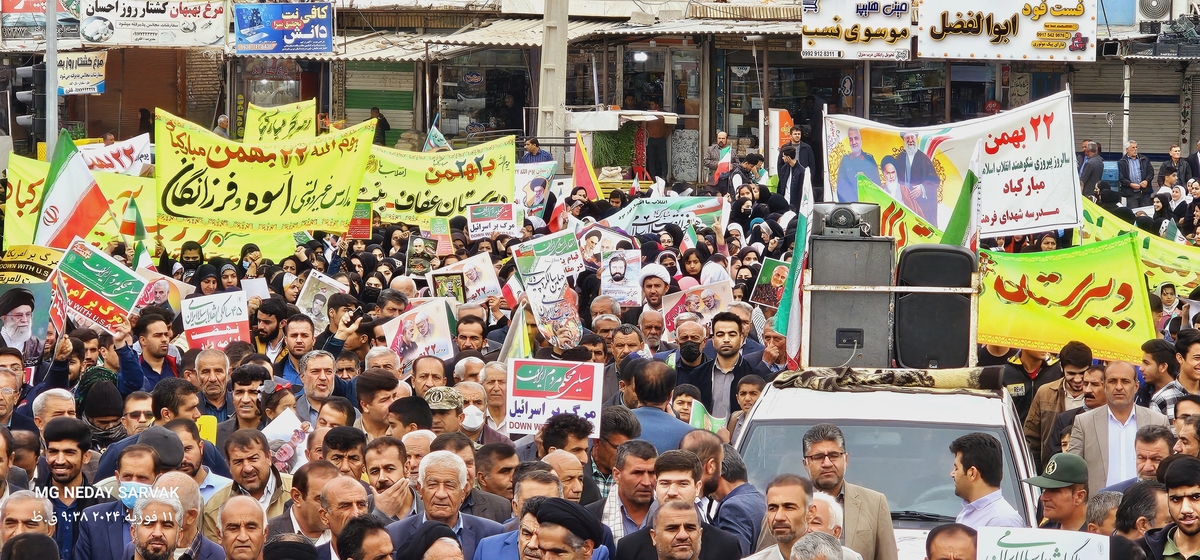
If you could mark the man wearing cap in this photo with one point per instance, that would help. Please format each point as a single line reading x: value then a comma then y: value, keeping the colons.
x: 104, y: 528
x: 1064, y: 492
x: 1180, y: 538
x: 16, y: 314
x: 567, y: 531
x: 655, y: 280
x: 446, y: 405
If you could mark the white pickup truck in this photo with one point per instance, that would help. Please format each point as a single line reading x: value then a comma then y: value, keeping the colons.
x: 898, y: 443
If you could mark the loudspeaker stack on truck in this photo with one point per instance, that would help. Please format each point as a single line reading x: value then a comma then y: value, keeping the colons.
x: 864, y: 308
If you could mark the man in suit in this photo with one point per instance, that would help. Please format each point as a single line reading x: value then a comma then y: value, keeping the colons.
x: 342, y: 499
x: 444, y: 485
x: 104, y: 528
x: 305, y: 514
x: 477, y: 502
x: 1092, y: 170
x: 1152, y: 445
x: 742, y: 507
x: 679, y: 478
x: 868, y: 521
x: 1105, y: 437
x: 1134, y: 174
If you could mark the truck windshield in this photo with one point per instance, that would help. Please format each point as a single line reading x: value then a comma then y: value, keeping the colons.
x: 908, y: 463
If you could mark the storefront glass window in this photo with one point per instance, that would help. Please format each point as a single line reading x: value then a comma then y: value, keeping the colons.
x: 476, y: 90
x: 585, y: 78
x: 908, y: 94
x: 800, y: 88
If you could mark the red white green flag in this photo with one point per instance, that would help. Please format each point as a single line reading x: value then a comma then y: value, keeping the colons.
x: 72, y: 203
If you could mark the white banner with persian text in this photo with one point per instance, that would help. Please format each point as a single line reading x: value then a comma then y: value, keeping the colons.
x: 164, y: 23
x: 1008, y: 30
x: 1028, y: 182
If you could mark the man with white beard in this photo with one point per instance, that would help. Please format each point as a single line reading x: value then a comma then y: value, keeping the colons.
x: 16, y: 313
x: 920, y: 180
x: 891, y: 182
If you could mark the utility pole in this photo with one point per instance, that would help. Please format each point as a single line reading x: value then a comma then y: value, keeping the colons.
x: 51, y: 60
x: 552, y: 91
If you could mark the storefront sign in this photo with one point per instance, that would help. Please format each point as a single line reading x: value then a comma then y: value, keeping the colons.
x: 23, y: 27
x: 161, y: 24
x: 1018, y: 31
x: 858, y: 30
x: 284, y: 28
x: 1028, y: 179
x: 80, y: 73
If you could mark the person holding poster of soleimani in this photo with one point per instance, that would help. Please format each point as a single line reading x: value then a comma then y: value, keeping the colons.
x: 919, y: 179
x: 853, y: 163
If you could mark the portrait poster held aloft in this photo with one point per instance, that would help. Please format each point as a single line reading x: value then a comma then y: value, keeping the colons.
x: 771, y: 281
x: 24, y: 318
x: 479, y: 278
x: 546, y: 264
x: 98, y: 288
x: 314, y: 298
x: 422, y: 252
x: 705, y: 301
x: 448, y: 285
x: 619, y: 277
x: 162, y: 291
x: 421, y: 331
x: 595, y: 240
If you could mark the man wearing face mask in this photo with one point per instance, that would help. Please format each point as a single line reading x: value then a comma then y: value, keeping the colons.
x: 104, y: 529
x: 474, y: 422
x: 690, y: 336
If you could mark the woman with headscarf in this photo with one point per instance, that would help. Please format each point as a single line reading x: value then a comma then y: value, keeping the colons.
x: 229, y: 277
x: 1045, y: 241
x: 714, y: 272
x: 286, y: 284
x: 205, y: 280
x: 743, y: 212
x: 671, y: 235
x: 692, y: 264
x: 1170, y: 304
x: 616, y: 200
x: 372, y: 286
x: 387, y: 267
x: 748, y: 256
x: 249, y: 262
x: 1162, y: 212
x: 669, y: 259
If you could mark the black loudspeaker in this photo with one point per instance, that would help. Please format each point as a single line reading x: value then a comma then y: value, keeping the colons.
x: 933, y: 330
x: 852, y: 328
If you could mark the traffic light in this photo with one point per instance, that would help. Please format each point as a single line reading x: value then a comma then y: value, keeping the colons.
x: 32, y: 94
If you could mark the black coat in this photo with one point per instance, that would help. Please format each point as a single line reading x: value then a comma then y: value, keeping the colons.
x: 715, y: 544
x: 702, y: 378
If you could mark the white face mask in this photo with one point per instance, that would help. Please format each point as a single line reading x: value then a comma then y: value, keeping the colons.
x: 472, y: 418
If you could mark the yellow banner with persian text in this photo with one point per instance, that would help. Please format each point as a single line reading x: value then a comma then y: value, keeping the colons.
x: 26, y: 178
x: 211, y: 182
x: 292, y: 122
x: 1164, y: 260
x: 1041, y: 301
x: 412, y: 187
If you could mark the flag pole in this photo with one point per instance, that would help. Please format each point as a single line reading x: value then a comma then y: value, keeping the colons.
x: 115, y: 221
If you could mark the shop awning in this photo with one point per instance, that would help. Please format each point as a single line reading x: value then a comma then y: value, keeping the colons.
x: 520, y: 33
x: 706, y: 27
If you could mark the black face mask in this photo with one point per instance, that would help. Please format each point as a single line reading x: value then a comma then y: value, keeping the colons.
x: 690, y: 351
x: 672, y: 270
x: 370, y: 294
x: 190, y: 265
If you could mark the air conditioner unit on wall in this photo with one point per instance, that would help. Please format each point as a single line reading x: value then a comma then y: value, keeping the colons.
x: 1150, y: 14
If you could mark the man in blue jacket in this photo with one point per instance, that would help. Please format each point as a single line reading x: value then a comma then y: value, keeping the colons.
x: 104, y: 529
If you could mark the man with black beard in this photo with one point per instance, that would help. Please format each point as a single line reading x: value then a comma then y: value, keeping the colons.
x: 268, y: 333
x: 707, y: 447
x: 616, y: 270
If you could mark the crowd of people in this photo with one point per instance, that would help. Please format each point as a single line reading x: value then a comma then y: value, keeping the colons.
x: 127, y: 444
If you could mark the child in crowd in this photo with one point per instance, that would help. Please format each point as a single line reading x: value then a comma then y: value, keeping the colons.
x: 681, y: 401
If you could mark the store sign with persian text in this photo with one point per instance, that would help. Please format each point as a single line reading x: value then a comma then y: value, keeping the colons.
x: 874, y: 30
x: 1012, y: 31
x: 164, y: 23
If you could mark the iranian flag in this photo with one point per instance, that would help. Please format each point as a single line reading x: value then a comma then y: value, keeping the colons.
x: 724, y: 164
x: 963, y: 228
x: 72, y: 203
x: 131, y: 222
x: 787, y: 319
x: 142, y: 257
x: 435, y: 140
